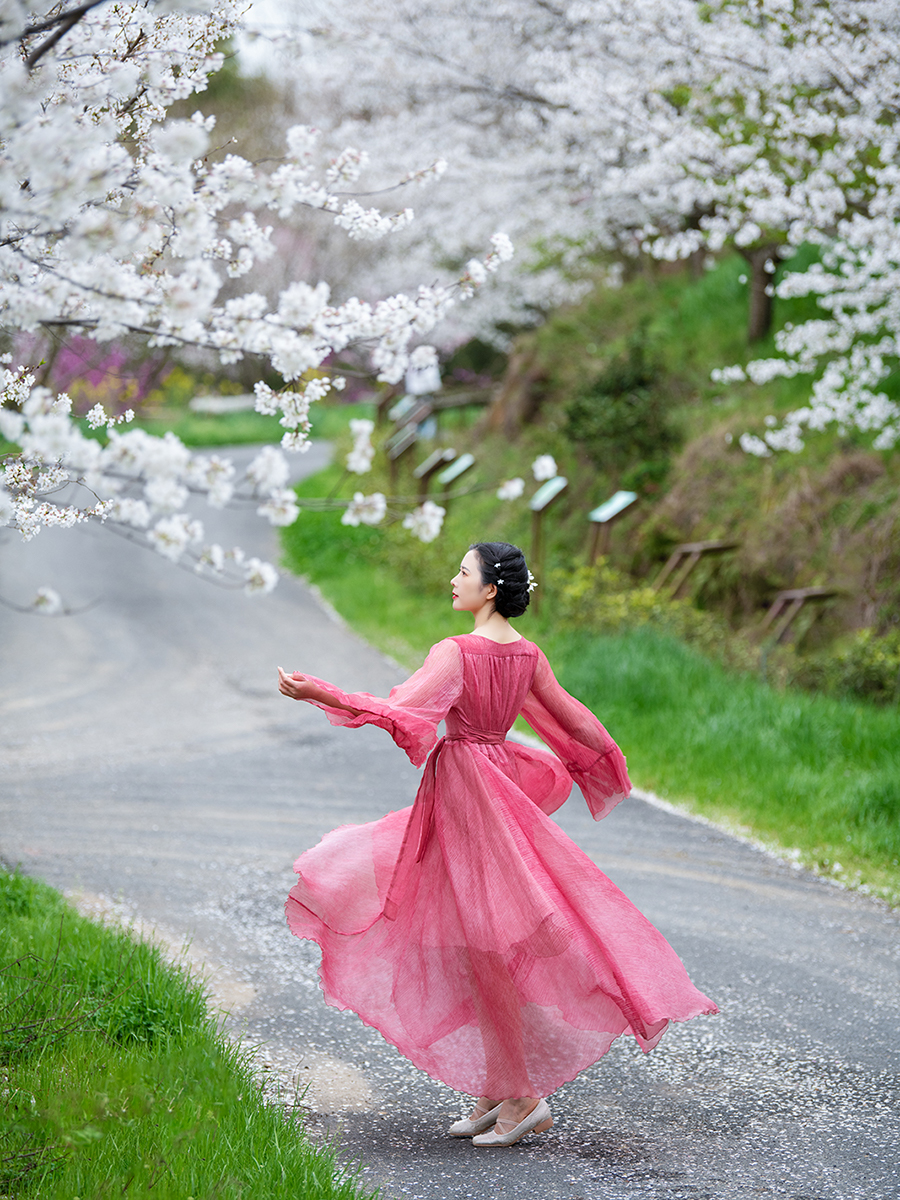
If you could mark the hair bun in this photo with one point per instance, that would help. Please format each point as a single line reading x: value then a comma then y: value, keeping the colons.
x: 504, y: 565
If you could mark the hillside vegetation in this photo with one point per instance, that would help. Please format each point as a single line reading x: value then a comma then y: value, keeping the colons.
x: 827, y: 516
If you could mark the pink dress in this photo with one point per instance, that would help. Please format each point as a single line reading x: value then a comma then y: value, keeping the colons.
x: 469, y: 930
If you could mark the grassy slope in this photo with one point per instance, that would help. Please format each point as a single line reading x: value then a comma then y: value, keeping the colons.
x: 115, y: 1080
x: 810, y: 773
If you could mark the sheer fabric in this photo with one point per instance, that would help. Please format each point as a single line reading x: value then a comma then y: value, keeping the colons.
x: 468, y: 929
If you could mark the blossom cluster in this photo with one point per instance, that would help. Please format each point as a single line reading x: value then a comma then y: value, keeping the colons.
x: 130, y: 220
x: 425, y: 521
x: 544, y: 467
x: 118, y: 219
x: 133, y: 481
x: 359, y: 460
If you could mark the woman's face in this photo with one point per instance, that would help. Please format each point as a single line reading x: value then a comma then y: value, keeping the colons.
x: 470, y: 593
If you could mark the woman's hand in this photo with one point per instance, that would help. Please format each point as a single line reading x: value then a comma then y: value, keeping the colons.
x: 297, y: 686
x: 301, y: 687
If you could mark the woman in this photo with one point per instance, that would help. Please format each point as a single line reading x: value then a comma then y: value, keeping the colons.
x: 468, y: 929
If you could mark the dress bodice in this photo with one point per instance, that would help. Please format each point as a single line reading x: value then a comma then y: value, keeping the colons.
x: 496, y: 678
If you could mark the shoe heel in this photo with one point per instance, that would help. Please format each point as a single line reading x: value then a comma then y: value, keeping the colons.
x: 544, y: 1126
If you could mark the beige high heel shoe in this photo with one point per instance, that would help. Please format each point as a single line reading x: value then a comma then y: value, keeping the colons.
x: 538, y: 1121
x: 468, y: 1128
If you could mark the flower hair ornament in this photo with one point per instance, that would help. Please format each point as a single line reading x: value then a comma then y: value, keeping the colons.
x: 532, y: 582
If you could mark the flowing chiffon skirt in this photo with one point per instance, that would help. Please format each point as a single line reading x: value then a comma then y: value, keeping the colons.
x: 478, y: 938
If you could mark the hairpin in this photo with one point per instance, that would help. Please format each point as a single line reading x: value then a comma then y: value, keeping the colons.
x: 532, y: 582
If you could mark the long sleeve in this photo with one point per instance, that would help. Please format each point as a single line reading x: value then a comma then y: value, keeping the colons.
x: 575, y: 735
x: 413, y: 710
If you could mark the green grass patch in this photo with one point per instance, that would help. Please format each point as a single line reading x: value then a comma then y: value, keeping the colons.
x: 813, y: 774
x: 240, y: 428
x: 117, y: 1081
x: 805, y: 772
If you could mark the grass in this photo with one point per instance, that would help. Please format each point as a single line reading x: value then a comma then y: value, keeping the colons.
x: 239, y: 428
x: 116, y: 1081
x: 817, y: 776
x: 808, y: 773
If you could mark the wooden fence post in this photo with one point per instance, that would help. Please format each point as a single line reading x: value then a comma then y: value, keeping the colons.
x: 450, y: 474
x: 682, y: 561
x: 432, y: 464
x: 602, y: 520
x: 787, y: 605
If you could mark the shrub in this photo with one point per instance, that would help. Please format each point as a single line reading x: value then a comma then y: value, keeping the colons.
x: 865, y: 665
x: 601, y: 599
x: 623, y: 417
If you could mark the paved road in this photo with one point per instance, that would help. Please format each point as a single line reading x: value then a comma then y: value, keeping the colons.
x: 147, y: 758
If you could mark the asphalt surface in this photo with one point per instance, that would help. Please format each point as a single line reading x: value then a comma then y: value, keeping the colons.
x: 149, y: 765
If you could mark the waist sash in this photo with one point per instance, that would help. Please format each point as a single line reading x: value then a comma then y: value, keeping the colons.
x: 421, y: 819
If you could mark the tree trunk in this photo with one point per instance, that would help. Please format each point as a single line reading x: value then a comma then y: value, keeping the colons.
x: 762, y: 281
x: 519, y: 395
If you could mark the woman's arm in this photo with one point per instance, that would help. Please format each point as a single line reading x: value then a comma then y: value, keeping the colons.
x: 411, y: 712
x: 575, y: 735
x: 298, y: 687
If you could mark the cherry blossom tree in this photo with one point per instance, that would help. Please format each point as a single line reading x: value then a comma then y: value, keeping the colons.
x: 116, y: 218
x: 615, y: 126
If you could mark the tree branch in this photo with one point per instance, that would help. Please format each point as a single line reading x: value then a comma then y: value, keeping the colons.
x: 77, y: 13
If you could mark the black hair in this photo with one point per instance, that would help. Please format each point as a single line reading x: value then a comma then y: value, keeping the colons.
x: 504, y: 565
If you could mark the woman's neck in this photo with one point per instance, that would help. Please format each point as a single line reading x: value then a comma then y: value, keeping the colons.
x: 489, y: 624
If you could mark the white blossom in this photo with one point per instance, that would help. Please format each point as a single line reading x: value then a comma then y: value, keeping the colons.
x: 164, y: 494
x: 751, y: 444
x: 735, y: 374
x: 213, y: 556
x: 359, y: 460
x: 259, y: 577
x: 7, y: 507
x: 280, y: 508
x: 215, y: 476
x: 269, y: 471
x: 171, y: 536
x: 47, y: 601
x: 544, y: 467
x: 266, y: 401
x: 423, y: 357
x: 12, y: 425
x: 366, y: 510
x: 129, y: 511
x: 425, y: 522
x: 512, y: 489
